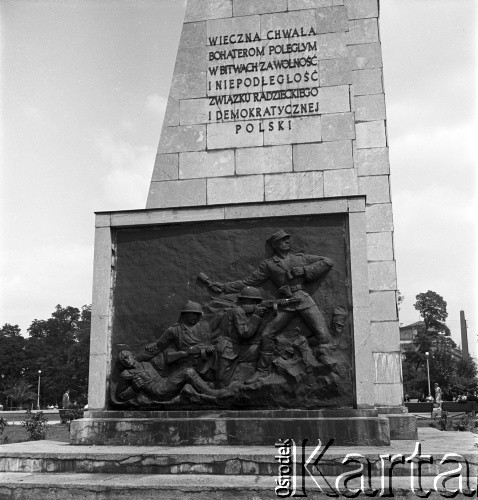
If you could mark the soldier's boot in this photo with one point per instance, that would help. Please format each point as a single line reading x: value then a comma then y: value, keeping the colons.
x: 265, y: 359
x: 263, y: 367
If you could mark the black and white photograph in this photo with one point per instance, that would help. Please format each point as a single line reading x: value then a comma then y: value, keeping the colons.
x: 238, y: 249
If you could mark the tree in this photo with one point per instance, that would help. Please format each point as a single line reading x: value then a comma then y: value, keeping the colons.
x: 79, y: 356
x: 443, y: 366
x: 12, y: 357
x: 467, y: 374
x: 432, y: 309
x: 433, y: 336
x: 21, y: 393
x: 11, y: 331
x: 59, y: 347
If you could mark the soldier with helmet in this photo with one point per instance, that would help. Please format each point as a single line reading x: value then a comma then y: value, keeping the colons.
x: 289, y: 272
x: 188, y: 342
x: 239, y: 339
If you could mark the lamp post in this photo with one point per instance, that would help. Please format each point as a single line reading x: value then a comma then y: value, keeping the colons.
x: 427, y: 354
x: 38, y: 392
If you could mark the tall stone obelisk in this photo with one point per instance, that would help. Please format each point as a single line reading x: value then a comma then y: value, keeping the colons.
x: 281, y: 100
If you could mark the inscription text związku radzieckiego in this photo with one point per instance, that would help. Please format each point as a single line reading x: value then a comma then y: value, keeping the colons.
x: 265, y: 81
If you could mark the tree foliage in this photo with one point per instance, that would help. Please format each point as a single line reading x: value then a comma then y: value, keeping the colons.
x: 58, y: 346
x: 21, y: 393
x: 441, y: 363
x: 467, y: 373
x: 12, y: 356
x: 432, y: 308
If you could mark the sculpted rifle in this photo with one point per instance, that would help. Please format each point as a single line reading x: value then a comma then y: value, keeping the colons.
x: 267, y: 304
x: 275, y: 304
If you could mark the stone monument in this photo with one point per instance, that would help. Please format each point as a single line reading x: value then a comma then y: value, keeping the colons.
x: 255, y: 297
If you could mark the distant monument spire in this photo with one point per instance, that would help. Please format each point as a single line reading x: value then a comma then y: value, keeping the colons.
x: 464, y: 335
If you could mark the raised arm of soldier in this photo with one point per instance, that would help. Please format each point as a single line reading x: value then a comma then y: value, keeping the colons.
x: 258, y: 277
x: 282, y: 268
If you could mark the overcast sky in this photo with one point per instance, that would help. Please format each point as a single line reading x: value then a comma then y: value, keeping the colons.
x: 83, y: 90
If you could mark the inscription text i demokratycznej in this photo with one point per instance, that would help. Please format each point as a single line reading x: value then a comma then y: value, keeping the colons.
x: 264, y: 81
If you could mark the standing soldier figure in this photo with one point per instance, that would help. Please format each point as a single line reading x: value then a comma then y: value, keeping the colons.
x: 289, y: 272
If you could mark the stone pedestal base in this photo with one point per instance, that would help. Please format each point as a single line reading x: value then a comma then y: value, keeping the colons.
x: 260, y: 428
x: 403, y: 425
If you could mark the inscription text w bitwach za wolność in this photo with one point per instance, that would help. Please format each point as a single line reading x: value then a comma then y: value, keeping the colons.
x: 227, y: 94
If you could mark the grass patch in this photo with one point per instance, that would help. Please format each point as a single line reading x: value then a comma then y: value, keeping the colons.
x: 18, y: 434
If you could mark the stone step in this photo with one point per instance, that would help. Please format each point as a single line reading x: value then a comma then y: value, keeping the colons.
x: 200, y: 487
x: 55, y: 457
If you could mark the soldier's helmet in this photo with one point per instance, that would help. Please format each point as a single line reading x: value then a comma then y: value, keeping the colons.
x: 250, y: 292
x: 192, y: 307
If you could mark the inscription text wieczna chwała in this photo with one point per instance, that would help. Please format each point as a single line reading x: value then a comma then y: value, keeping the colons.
x: 272, y: 77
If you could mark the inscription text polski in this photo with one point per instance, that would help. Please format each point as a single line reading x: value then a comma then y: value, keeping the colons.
x: 263, y: 82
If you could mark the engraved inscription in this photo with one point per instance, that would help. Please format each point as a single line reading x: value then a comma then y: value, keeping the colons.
x: 265, y: 81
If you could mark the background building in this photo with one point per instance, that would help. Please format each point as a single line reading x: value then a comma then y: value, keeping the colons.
x: 408, y: 334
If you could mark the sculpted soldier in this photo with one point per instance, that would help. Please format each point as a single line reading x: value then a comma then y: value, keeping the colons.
x: 288, y: 272
x: 191, y: 340
x: 143, y: 377
x: 238, y: 326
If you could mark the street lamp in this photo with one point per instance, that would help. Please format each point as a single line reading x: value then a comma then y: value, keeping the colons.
x: 427, y: 354
x: 38, y: 392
